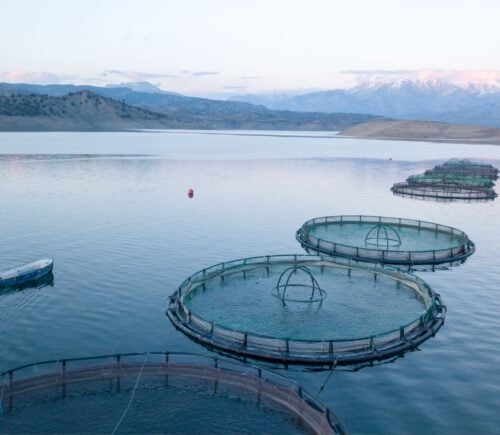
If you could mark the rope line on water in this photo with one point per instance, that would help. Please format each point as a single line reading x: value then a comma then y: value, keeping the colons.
x: 327, y: 379
x: 132, y: 396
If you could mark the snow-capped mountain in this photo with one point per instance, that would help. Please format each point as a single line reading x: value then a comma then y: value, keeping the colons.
x: 462, y: 99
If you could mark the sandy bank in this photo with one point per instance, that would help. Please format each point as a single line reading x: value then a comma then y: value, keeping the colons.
x: 425, y: 131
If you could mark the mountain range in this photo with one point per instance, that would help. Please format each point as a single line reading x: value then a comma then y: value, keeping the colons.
x: 74, y: 107
x: 412, y: 99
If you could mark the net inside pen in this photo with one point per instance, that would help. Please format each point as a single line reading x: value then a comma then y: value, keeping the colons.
x: 443, y: 192
x: 453, y: 180
x: 367, y: 313
x: 157, y: 392
x: 421, y: 242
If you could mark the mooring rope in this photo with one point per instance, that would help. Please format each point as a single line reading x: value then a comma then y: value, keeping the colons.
x: 131, y: 397
x: 327, y: 379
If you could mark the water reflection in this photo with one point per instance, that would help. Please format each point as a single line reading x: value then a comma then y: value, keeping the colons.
x: 39, y: 283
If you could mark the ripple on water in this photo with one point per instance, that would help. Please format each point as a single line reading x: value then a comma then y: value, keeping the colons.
x: 124, y: 235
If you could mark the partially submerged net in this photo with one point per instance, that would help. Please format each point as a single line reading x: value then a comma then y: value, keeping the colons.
x: 454, y: 179
x: 157, y: 392
x: 403, y: 242
x: 371, y: 313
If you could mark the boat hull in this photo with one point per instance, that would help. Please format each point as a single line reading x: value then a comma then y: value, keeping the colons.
x: 27, y: 273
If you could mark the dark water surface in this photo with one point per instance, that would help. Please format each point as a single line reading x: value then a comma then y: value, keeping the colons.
x: 124, y: 234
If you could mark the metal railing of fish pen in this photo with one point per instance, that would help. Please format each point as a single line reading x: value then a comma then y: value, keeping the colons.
x: 451, y: 179
x: 467, y: 167
x: 491, y: 174
x: 444, y: 191
x: 388, y: 256
x: 63, y: 373
x: 301, y: 351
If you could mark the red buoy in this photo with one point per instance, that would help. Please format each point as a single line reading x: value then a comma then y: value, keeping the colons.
x: 190, y: 193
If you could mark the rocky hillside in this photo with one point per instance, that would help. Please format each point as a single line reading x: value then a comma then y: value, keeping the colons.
x: 82, y: 110
x: 85, y: 110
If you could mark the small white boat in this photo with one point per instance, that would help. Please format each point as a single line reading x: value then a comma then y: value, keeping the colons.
x: 27, y: 272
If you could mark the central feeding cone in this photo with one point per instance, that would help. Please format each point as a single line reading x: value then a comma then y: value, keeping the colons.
x: 383, y: 236
x: 297, y: 284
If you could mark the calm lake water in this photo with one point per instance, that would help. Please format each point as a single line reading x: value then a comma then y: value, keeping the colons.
x: 113, y: 212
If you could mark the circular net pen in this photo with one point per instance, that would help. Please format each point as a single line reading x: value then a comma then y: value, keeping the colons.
x: 450, y: 179
x: 157, y: 392
x: 349, y: 313
x: 443, y: 192
x: 421, y: 245
x: 466, y: 167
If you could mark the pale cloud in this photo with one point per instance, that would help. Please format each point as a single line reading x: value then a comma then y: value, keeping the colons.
x: 248, y: 78
x: 386, y: 72
x: 38, y: 77
x: 136, y: 76
x: 204, y: 73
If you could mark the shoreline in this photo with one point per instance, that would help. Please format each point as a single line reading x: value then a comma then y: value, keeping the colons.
x: 494, y: 142
x: 313, y: 134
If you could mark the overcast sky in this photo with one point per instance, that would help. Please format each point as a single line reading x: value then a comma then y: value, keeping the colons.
x: 218, y: 46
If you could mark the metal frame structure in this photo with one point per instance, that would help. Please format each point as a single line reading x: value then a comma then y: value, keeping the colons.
x: 383, y: 235
x: 466, y: 167
x: 453, y: 180
x: 60, y: 375
x: 450, y: 179
x: 285, y: 283
x: 443, y: 191
x: 357, y: 350
x: 448, y: 257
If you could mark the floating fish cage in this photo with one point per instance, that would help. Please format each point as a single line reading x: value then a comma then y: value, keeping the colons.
x: 305, y: 309
x: 157, y: 392
x: 445, y: 192
x: 463, y: 181
x: 453, y: 180
x: 466, y: 167
x: 420, y: 244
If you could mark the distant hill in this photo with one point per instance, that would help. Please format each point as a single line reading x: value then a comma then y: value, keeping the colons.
x: 51, y: 107
x: 431, y: 100
x: 425, y: 131
x: 82, y: 110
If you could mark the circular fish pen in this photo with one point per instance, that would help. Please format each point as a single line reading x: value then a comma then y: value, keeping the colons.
x: 444, y: 192
x: 367, y: 313
x: 453, y: 180
x: 157, y: 392
x: 420, y: 245
x: 466, y: 167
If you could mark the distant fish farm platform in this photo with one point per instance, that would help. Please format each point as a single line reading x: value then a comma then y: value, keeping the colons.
x: 453, y: 180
